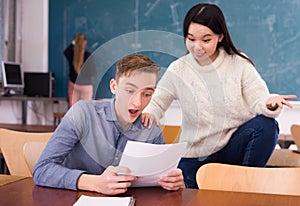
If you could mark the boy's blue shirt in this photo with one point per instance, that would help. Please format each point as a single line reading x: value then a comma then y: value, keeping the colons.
x: 88, y: 140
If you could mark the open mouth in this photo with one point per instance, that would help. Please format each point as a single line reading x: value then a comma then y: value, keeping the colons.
x: 133, y: 112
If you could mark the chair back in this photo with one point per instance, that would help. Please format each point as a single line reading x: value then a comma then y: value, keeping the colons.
x: 32, y: 152
x: 171, y: 133
x: 11, y: 145
x: 295, y: 132
x: 215, y: 176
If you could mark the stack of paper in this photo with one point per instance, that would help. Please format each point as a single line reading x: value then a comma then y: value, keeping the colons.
x: 111, y: 201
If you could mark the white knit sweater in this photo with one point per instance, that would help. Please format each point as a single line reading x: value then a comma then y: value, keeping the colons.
x: 214, y: 99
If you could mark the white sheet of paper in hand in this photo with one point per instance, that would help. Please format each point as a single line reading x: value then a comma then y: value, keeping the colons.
x: 149, y: 162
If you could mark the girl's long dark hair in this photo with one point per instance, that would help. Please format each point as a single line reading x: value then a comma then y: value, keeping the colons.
x: 211, y: 16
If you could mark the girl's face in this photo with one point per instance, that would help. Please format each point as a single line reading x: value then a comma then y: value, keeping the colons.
x: 202, y: 42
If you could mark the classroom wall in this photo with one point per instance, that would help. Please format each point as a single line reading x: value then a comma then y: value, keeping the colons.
x: 32, y: 53
x: 34, y: 35
x: 30, y: 44
x: 267, y: 31
x: 35, y: 51
x: 288, y: 117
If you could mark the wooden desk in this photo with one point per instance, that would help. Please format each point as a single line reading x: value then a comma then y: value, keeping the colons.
x: 29, y: 127
x: 285, y: 140
x: 25, y: 100
x: 6, y: 179
x: 284, y: 158
x: 24, y: 192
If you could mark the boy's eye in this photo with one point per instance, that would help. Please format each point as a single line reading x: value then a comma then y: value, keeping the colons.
x: 129, y: 91
x: 148, y: 94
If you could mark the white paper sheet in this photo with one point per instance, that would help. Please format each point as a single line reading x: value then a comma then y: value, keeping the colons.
x: 111, y: 201
x: 149, y: 162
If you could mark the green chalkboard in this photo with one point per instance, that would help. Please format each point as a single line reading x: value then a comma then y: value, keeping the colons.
x: 267, y: 31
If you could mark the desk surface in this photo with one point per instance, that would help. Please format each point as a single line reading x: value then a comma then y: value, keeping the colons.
x: 27, y: 98
x: 285, y: 140
x: 6, y: 179
x: 24, y: 192
x: 29, y: 127
x: 284, y: 158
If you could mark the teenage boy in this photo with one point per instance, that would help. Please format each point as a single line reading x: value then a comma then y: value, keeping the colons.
x: 84, y: 150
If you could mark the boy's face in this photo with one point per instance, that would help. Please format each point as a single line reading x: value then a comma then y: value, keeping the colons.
x: 132, y: 95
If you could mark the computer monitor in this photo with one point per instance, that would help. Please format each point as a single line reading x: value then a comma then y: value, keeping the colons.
x: 12, y: 75
x: 39, y: 84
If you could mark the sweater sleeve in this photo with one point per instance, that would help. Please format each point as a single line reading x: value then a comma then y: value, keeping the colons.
x: 256, y: 93
x: 163, y: 96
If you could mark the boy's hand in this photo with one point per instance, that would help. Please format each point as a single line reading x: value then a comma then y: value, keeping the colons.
x: 173, y: 181
x: 109, y: 182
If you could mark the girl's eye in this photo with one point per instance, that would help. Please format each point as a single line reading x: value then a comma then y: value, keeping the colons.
x: 191, y: 39
x: 206, y: 40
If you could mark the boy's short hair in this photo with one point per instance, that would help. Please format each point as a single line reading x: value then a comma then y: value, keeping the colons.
x: 134, y: 62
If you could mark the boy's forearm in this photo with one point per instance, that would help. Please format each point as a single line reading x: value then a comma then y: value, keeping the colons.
x: 85, y: 182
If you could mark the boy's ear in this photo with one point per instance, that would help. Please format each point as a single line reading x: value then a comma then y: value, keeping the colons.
x: 113, y: 86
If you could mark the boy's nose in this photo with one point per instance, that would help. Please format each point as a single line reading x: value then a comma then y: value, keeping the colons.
x: 136, y: 99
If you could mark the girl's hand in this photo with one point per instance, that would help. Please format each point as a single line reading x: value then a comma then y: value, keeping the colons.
x: 278, y: 101
x: 148, y: 119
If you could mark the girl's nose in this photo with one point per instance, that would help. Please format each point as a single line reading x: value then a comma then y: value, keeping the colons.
x: 198, y: 45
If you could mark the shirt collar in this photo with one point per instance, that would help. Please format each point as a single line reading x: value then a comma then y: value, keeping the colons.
x: 111, y: 113
x: 112, y: 116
